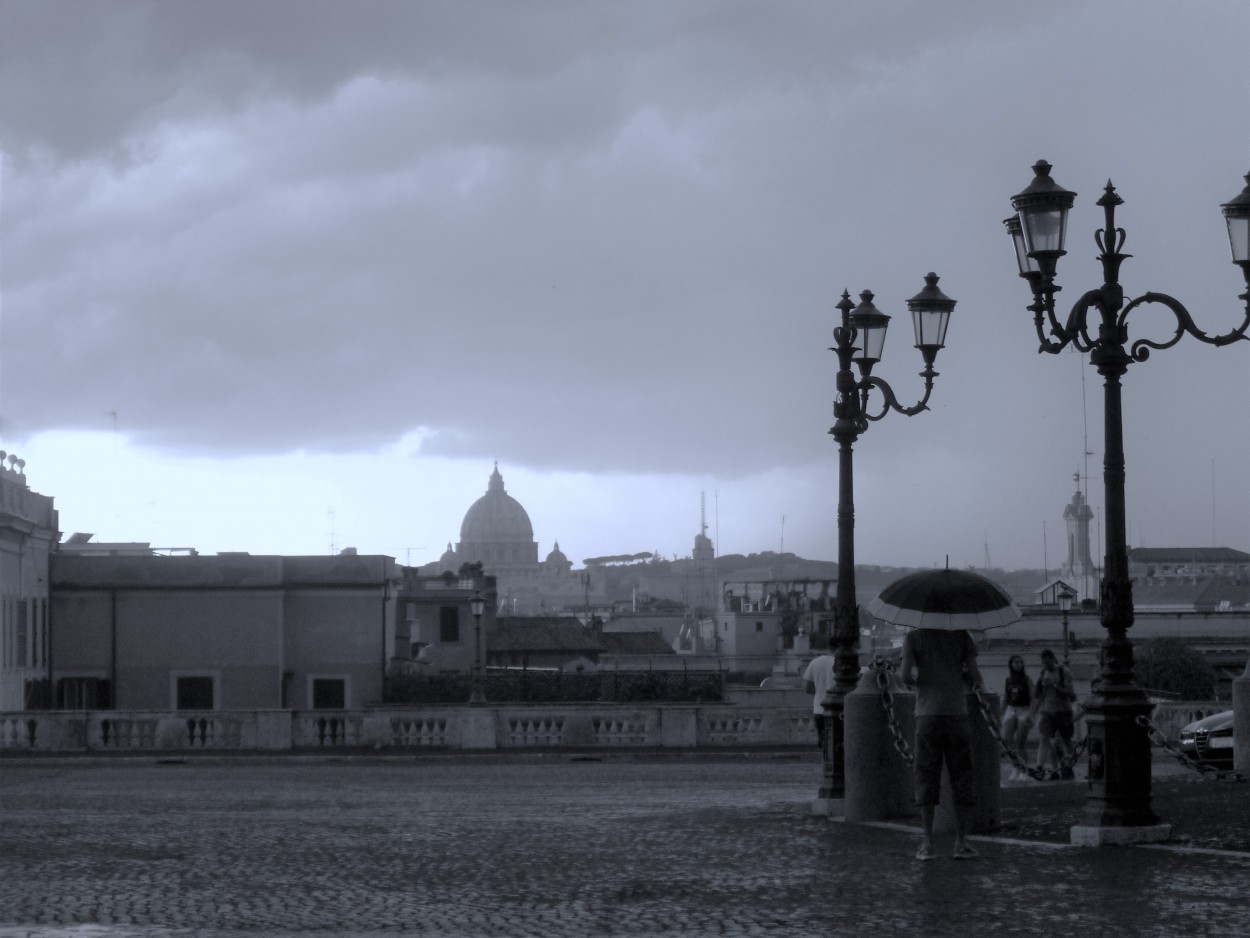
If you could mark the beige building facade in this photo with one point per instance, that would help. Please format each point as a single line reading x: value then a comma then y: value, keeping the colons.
x: 28, y: 532
x: 229, y: 631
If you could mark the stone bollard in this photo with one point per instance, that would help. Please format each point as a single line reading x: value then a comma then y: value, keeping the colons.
x: 986, y: 775
x: 1241, y: 721
x: 879, y: 782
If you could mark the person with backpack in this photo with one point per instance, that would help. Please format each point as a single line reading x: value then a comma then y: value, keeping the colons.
x: 1053, y: 699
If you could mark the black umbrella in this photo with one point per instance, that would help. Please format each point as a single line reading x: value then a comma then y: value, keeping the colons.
x: 945, y: 599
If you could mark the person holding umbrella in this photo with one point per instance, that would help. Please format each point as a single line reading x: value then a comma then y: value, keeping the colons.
x: 940, y: 663
x: 942, y: 666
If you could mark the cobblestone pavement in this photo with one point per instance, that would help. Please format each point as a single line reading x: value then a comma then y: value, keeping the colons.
x: 556, y: 846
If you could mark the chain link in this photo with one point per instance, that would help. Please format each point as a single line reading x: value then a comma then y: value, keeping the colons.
x: 1160, y: 740
x: 1038, y: 772
x: 885, y: 670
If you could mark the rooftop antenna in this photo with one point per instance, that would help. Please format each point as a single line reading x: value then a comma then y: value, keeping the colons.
x: 1085, y: 432
x: 330, y: 515
x: 716, y: 506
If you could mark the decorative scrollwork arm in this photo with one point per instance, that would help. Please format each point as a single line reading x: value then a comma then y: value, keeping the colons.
x: 889, y: 402
x: 1140, y: 349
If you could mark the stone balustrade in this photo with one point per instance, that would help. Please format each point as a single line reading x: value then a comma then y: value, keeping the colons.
x: 1169, y: 717
x: 759, y: 719
x: 466, y: 727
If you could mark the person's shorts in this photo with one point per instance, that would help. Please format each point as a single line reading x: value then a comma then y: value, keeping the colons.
x: 944, y: 739
x: 1019, y: 714
x: 1055, y: 724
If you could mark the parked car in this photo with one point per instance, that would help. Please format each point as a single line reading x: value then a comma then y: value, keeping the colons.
x: 1210, y: 740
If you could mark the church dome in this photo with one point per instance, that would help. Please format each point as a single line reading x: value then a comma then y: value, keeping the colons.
x: 557, y: 556
x: 496, y: 517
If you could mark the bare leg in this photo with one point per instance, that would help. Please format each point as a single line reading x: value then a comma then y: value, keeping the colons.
x: 927, y: 812
x: 1022, y: 742
x: 963, y: 814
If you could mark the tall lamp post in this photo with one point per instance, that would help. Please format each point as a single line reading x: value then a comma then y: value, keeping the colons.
x: 858, y: 343
x: 477, y: 606
x: 1065, y: 605
x: 1118, y: 808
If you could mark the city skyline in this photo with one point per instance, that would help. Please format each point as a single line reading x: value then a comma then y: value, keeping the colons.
x: 288, y: 278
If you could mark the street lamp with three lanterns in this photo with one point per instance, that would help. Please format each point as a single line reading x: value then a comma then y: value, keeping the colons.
x: 858, y: 342
x: 1118, y: 808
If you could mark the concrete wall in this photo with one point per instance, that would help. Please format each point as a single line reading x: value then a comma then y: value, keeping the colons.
x: 227, y: 635
x: 256, y: 626
x: 335, y: 634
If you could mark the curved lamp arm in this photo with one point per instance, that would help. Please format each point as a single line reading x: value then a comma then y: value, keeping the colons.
x: 1076, y: 329
x: 1140, y: 349
x: 889, y: 402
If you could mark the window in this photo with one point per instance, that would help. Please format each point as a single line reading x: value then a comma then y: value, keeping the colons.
x: 329, y: 693
x: 449, y: 624
x: 21, y: 634
x: 194, y: 693
x: 83, y: 693
x: 759, y: 626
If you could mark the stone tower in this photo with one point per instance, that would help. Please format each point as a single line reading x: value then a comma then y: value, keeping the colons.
x: 1079, y: 570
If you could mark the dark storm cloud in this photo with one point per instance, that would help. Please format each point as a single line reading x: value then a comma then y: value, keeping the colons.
x: 283, y: 225
x: 584, y: 236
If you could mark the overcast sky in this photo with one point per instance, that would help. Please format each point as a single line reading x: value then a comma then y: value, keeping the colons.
x: 291, y: 276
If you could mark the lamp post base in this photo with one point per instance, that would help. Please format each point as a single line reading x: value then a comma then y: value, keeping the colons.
x: 828, y: 807
x: 833, y: 775
x: 1108, y: 836
x: 1117, y: 809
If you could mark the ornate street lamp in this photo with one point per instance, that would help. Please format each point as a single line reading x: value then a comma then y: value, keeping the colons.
x: 1065, y: 605
x: 1118, y: 809
x: 477, y: 606
x: 859, y: 342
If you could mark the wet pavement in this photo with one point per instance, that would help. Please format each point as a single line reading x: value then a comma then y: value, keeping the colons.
x: 627, y: 844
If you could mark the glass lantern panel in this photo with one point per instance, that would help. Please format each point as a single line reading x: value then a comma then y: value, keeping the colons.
x: 871, y: 342
x: 930, y: 326
x: 1044, y: 229
x: 1239, y: 239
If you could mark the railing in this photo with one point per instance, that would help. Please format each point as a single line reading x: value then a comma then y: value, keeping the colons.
x: 759, y: 718
x: 1171, y: 716
x: 773, y: 721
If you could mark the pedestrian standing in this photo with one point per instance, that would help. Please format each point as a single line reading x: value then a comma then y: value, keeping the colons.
x: 1055, y: 720
x: 942, y: 667
x: 817, y: 679
x: 1017, y: 712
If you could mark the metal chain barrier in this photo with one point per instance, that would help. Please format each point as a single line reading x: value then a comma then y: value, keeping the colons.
x: 1038, y: 772
x: 884, y: 671
x: 1159, y: 739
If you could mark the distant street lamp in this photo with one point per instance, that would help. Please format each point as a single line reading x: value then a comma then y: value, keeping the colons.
x: 1119, y: 745
x: 859, y: 341
x: 477, y: 606
x: 1065, y: 604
